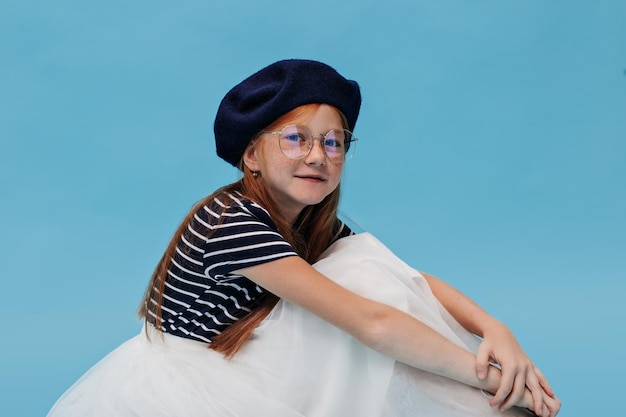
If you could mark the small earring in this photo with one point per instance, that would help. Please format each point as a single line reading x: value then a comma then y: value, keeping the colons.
x: 255, y: 174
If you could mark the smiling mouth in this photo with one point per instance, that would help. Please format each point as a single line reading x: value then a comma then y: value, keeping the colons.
x: 311, y: 178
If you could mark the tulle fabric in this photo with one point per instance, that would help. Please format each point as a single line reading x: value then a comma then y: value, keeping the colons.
x: 294, y: 365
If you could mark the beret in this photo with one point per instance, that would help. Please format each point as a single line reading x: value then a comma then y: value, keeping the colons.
x: 266, y: 95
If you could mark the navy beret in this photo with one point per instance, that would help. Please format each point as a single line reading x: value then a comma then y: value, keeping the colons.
x: 263, y: 97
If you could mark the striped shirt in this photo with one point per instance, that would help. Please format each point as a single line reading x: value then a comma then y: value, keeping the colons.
x: 202, y: 295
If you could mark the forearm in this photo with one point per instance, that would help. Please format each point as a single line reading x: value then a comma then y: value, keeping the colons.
x: 410, y: 341
x: 469, y: 314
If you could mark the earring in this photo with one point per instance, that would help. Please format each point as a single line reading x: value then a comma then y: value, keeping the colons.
x: 255, y: 174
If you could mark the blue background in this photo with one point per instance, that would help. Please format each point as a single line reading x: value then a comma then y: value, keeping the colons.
x: 492, y: 153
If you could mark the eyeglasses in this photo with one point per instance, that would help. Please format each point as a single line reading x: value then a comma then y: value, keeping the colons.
x: 296, y: 142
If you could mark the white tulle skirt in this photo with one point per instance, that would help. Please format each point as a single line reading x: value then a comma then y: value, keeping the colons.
x: 294, y: 365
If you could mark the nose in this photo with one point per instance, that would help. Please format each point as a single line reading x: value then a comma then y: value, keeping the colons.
x: 317, y: 154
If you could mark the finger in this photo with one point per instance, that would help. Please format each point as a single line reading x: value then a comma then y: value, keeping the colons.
x: 482, y: 361
x: 544, y: 382
x: 549, y: 408
x: 517, y: 392
x: 553, y: 404
x: 537, y: 392
x: 544, y: 412
x: 506, y: 385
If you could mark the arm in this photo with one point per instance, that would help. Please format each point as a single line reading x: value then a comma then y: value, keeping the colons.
x: 499, y: 346
x: 377, y: 325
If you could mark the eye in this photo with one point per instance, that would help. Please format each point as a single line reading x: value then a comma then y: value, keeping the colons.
x: 294, y: 137
x: 334, y: 139
x: 332, y: 143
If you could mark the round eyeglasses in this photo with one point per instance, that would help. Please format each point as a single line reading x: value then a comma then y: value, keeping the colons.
x: 296, y: 142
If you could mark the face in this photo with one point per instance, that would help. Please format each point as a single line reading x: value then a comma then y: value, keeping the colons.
x: 295, y: 184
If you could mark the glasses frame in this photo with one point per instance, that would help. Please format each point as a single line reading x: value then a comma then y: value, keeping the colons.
x: 349, y: 143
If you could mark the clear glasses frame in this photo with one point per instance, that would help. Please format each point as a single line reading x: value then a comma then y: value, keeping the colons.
x: 296, y: 142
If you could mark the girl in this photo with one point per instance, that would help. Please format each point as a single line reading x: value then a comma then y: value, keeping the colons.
x: 228, y: 323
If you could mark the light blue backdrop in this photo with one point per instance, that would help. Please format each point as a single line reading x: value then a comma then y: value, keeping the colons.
x: 492, y: 153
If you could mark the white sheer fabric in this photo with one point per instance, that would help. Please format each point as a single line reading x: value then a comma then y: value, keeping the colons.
x: 295, y: 364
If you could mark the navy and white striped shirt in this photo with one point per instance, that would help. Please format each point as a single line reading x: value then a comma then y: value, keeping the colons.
x: 202, y: 296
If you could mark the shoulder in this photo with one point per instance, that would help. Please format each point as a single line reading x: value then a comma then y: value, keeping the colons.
x: 229, y: 216
x: 230, y: 207
x: 243, y: 236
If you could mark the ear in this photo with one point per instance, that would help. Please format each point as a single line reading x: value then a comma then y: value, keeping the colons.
x: 251, y: 157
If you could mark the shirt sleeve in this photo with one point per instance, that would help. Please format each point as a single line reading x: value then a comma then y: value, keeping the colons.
x: 241, y: 236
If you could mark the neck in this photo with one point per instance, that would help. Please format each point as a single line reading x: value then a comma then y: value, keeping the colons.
x: 292, y: 216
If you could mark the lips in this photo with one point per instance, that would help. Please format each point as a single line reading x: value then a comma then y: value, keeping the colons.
x: 312, y: 178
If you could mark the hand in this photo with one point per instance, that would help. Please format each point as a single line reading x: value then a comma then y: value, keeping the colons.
x: 550, y: 407
x: 519, y: 374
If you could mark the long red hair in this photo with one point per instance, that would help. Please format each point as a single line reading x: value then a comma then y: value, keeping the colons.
x: 313, y: 231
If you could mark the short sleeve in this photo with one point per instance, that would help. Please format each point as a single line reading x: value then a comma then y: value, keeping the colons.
x: 242, y: 235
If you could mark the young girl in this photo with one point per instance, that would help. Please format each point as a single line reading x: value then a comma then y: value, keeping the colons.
x: 265, y: 303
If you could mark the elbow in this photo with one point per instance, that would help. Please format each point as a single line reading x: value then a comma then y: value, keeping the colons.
x: 377, y: 328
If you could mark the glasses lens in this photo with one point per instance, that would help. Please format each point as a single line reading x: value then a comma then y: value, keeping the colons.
x: 339, y: 145
x: 334, y: 144
x: 293, y: 141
